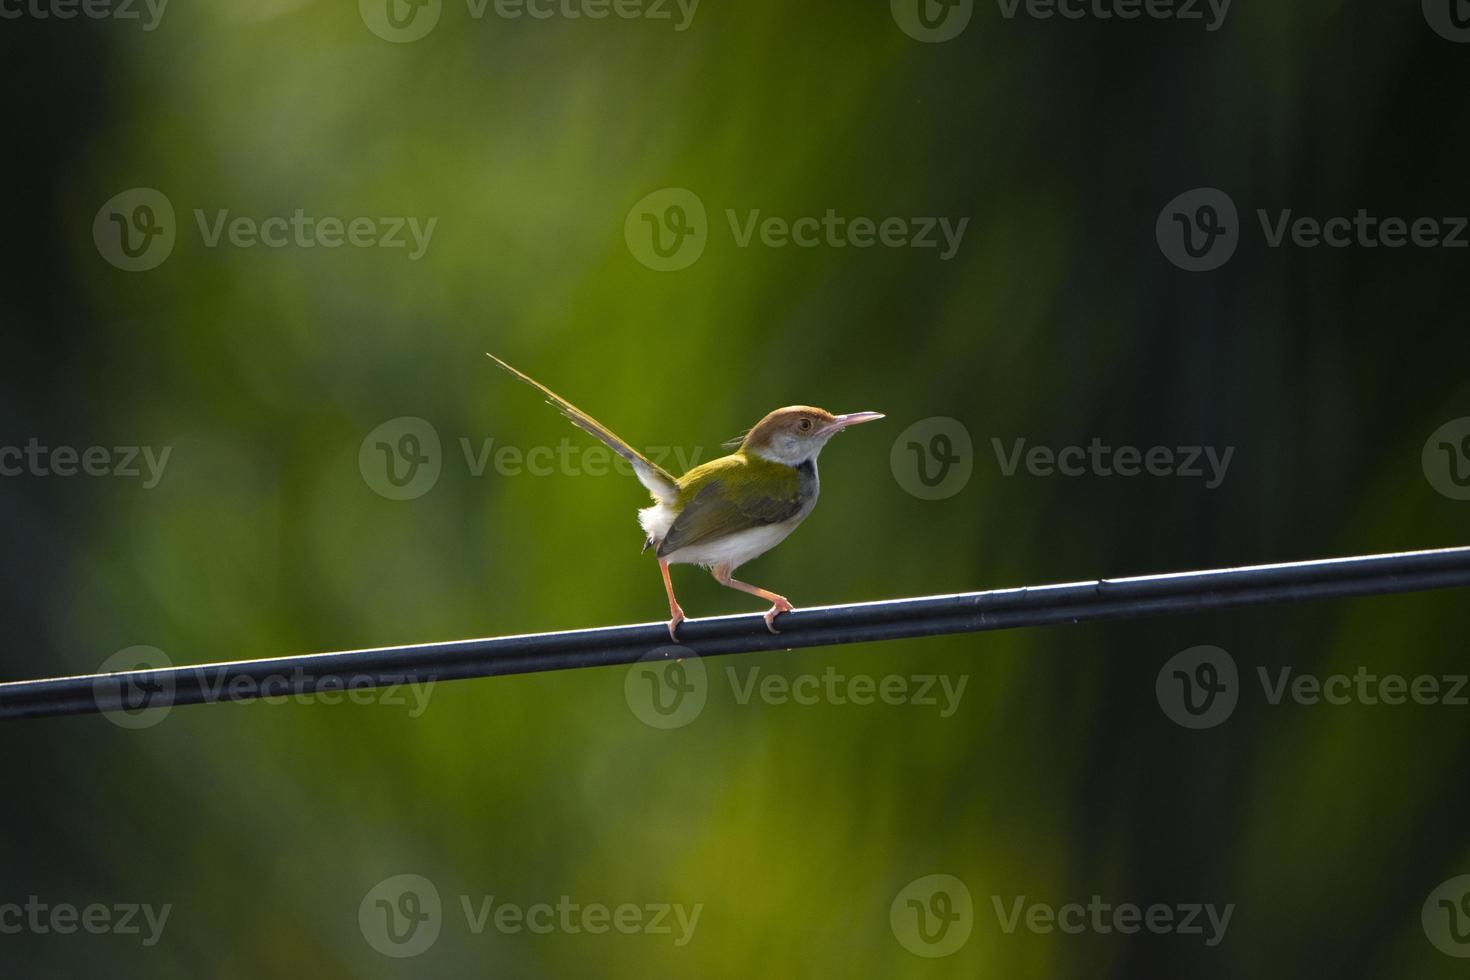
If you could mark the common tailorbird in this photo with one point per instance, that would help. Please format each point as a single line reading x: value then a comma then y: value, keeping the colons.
x: 723, y: 513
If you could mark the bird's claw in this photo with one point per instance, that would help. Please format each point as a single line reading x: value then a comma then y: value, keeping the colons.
x: 673, y: 624
x: 777, y: 607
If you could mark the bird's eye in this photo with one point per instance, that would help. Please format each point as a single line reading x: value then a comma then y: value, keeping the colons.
x: 804, y: 425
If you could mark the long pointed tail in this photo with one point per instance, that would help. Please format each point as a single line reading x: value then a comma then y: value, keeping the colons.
x: 659, y: 481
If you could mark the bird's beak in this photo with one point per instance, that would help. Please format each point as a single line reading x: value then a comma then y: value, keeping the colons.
x: 843, y: 421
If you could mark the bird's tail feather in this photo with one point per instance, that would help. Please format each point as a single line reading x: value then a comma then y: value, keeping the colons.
x: 659, y: 481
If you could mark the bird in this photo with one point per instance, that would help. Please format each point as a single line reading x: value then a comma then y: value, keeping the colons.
x: 723, y: 513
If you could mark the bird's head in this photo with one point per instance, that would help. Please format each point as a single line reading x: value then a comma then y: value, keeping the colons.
x: 797, y: 434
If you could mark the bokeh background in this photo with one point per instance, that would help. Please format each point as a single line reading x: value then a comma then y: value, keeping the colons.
x: 1058, y: 320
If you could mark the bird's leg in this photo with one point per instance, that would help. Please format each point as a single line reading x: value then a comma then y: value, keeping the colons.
x: 676, y: 615
x: 779, y: 604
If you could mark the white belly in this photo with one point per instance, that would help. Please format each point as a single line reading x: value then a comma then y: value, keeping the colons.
x: 732, y: 550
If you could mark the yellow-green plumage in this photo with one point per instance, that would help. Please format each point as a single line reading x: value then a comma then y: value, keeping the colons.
x: 741, y: 472
x: 733, y: 493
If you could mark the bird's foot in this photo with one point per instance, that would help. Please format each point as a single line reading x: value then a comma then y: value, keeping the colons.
x: 673, y: 623
x: 777, y: 607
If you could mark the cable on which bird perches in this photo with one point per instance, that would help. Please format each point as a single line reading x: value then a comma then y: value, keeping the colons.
x: 970, y: 612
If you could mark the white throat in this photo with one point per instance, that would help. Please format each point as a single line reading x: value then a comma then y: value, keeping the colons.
x: 791, y: 452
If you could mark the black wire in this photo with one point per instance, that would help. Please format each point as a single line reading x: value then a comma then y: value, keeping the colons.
x: 1077, y: 602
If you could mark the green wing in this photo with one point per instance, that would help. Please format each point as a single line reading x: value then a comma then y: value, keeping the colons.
x: 732, y: 494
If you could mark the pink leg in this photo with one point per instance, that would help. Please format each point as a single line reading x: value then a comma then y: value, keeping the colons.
x: 779, y: 604
x: 676, y: 615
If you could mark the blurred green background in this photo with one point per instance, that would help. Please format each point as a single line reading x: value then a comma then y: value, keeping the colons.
x: 1059, y: 320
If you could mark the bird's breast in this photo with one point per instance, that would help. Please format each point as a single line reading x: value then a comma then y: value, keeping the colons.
x: 809, y: 487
